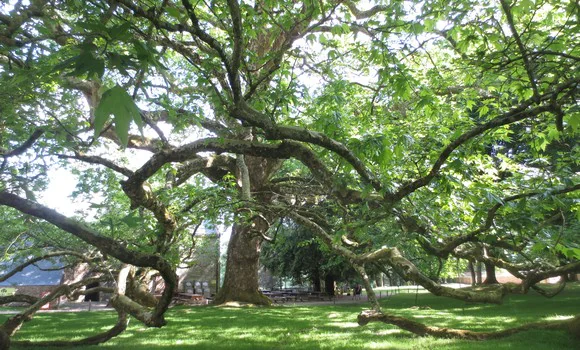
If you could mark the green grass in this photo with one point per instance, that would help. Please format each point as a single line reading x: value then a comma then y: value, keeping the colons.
x: 323, y: 327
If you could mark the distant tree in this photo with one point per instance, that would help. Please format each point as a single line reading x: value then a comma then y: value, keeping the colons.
x: 296, y: 253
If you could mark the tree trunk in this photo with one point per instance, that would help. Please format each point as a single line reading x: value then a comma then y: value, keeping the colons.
x: 379, y: 279
x: 4, y: 340
x: 490, y: 272
x: 472, y: 271
x: 478, y: 271
x: 316, y: 280
x: 241, y: 278
x: 329, y: 283
x: 242, y: 264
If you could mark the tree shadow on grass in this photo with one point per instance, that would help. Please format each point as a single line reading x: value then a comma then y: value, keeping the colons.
x: 321, y: 327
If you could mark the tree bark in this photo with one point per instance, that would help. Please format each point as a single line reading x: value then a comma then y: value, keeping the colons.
x: 243, y: 256
x: 571, y: 325
x: 490, y: 274
x: 472, y: 271
x: 118, y: 328
x: 4, y: 340
x: 241, y: 278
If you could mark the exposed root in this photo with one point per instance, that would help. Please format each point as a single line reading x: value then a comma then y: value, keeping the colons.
x: 571, y: 325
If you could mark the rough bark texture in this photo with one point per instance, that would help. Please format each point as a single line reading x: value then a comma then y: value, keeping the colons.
x: 4, y: 340
x: 241, y: 278
x: 571, y: 325
x: 137, y: 291
x: 18, y: 298
x: 490, y: 274
x: 242, y: 264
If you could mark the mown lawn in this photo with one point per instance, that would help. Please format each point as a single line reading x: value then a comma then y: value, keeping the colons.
x: 323, y: 327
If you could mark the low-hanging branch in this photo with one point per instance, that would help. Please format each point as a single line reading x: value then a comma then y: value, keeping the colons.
x: 119, y: 327
x: 572, y: 325
x: 13, y: 324
x: 404, y: 267
x: 153, y: 318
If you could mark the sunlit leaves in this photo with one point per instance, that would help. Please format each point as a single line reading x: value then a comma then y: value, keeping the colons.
x: 117, y: 102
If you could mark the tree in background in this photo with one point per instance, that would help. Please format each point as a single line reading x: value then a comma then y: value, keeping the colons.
x: 296, y: 253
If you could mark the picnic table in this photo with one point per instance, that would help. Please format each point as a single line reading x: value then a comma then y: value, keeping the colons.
x: 284, y: 296
x: 189, y: 298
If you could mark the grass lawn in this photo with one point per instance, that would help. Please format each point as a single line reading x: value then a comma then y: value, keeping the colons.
x: 323, y: 327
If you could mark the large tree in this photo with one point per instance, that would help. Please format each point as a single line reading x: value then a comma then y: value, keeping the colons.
x: 452, y: 125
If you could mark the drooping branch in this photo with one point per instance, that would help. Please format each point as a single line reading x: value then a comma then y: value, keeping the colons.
x: 275, y: 132
x: 106, y: 245
x: 36, y: 259
x: 442, y: 332
x: 13, y: 324
x: 404, y: 267
x: 446, y: 247
x: 214, y: 167
x: 119, y: 327
x: 18, y: 298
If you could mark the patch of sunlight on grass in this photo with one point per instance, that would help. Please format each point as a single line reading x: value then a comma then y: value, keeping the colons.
x: 388, y: 332
x: 345, y: 324
x: 380, y: 345
x: 507, y: 320
x: 323, y: 327
x: 558, y: 318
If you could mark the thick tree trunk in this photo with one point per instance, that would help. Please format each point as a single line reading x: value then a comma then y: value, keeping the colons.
x: 490, y: 272
x: 472, y: 271
x: 242, y: 264
x: 241, y: 278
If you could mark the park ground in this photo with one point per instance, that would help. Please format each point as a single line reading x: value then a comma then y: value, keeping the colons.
x: 323, y: 326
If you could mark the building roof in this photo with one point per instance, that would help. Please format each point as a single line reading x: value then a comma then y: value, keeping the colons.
x: 32, y: 275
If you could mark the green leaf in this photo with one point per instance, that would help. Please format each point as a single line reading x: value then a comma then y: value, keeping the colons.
x: 574, y: 121
x: 173, y: 12
x: 116, y: 101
